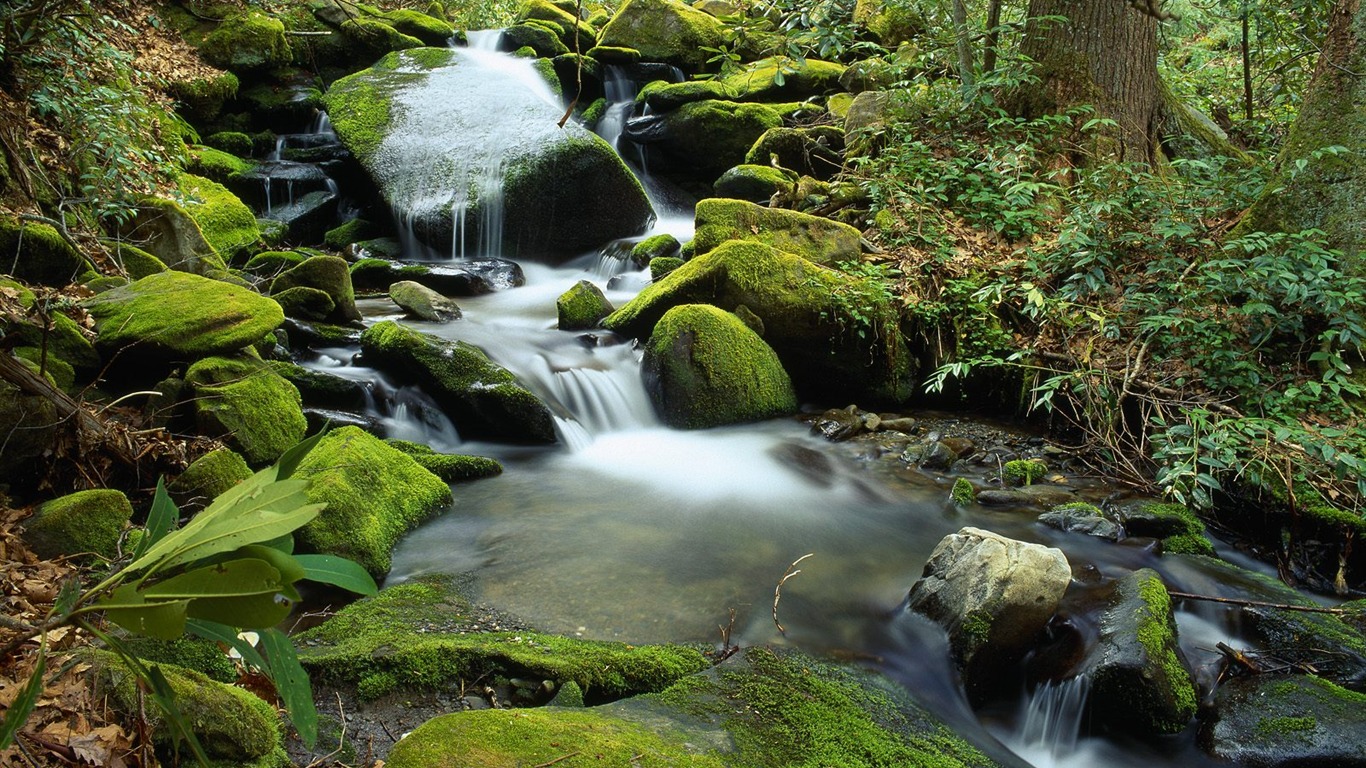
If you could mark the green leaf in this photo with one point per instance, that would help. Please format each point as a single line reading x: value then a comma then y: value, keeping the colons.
x: 246, y: 611
x: 161, y: 520
x: 289, y: 460
x: 291, y: 682
x: 23, y: 704
x: 222, y: 633
x: 291, y: 570
x: 339, y: 572
x: 164, y: 696
x: 250, y: 576
x: 130, y: 609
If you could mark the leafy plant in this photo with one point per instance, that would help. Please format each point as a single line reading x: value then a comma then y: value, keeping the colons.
x: 230, y: 568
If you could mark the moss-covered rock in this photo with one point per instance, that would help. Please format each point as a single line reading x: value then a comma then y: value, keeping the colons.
x: 891, y: 22
x: 451, y: 467
x: 249, y: 405
x: 272, y: 263
x: 545, y: 42
x: 374, y: 494
x: 57, y: 370
x: 233, y: 142
x: 37, y: 253
x: 207, y: 477
x: 230, y: 723
x: 416, y: 635
x: 367, y: 38
x: 31, y: 422
x: 304, y: 303
x: 812, y: 317
x: 1283, y: 720
x: 665, y: 30
x: 755, y: 183
x: 248, y: 43
x: 813, y: 238
x: 662, y: 266
x: 352, y: 231
x: 329, y: 274
x: 135, y: 261
x: 704, y: 368
x: 704, y: 139
x: 766, y: 80
x: 483, y: 399
x: 201, y: 98
x: 168, y: 231
x: 215, y: 165
x: 423, y: 302
x: 429, y: 29
x: 582, y: 307
x: 1139, y: 680
x: 817, y: 152
x: 202, y: 656
x: 1023, y: 472
x: 180, y: 316
x: 361, y: 105
x: 1180, y: 530
x: 64, y: 340
x: 79, y: 523
x: 567, y: 25
x: 654, y: 247
x: 225, y: 221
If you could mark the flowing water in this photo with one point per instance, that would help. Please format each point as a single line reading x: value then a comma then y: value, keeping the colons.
x: 631, y: 531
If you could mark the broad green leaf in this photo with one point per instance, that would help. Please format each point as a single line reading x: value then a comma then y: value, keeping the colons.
x: 222, y: 633
x: 245, y: 611
x: 22, y: 706
x: 161, y: 520
x: 337, y: 571
x: 291, y: 570
x: 291, y: 682
x: 129, y: 609
x: 283, y: 543
x: 250, y: 576
x: 289, y: 460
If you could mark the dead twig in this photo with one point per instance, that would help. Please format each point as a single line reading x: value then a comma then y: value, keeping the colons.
x: 778, y: 590
x: 1258, y: 603
x: 558, y: 759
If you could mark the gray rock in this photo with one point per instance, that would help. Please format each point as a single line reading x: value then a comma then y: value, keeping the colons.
x: 837, y: 424
x: 993, y: 595
x: 423, y: 302
x: 938, y: 456
x: 1081, y: 517
x: 1286, y: 720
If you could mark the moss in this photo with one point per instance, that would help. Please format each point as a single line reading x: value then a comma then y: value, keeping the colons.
x: 135, y: 261
x: 663, y: 266
x: 57, y: 370
x: 304, y: 303
x: 614, y: 54
x: 245, y: 402
x: 378, y: 640
x: 755, y: 183
x: 1180, y: 529
x: 182, y: 316
x: 36, y: 253
x: 429, y: 29
x: 665, y: 30
x: 329, y: 274
x: 963, y: 494
x: 202, y: 98
x: 374, y: 494
x: 545, y: 42
x: 352, y: 231
x: 1023, y: 471
x: 82, y: 522
x: 251, y: 42
x: 1157, y: 635
x: 214, y: 164
x: 208, y: 476
x: 566, y: 24
x: 594, y: 113
x: 654, y: 247
x: 705, y: 368
x: 451, y: 467
x: 765, y: 80
x: 271, y: 263
x: 361, y: 105
x: 582, y: 307
x: 710, y: 137
x: 226, y: 222
x: 229, y: 722
x: 815, y: 151
x: 813, y: 238
x: 202, y: 656
x: 232, y: 142
x: 65, y: 341
x: 537, y: 737
x: 1281, y: 728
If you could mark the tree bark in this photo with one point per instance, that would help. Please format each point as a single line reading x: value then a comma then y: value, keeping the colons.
x: 1321, y: 189
x: 1104, y: 55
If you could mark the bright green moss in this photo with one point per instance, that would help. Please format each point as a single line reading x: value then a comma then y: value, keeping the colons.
x: 202, y: 656
x: 36, y: 253
x: 226, y: 222
x: 963, y: 494
x: 705, y: 368
x: 1281, y: 728
x: 304, y: 303
x: 1180, y: 529
x: 374, y: 494
x: 663, y: 266
x: 755, y: 183
x: 1157, y: 635
x: 251, y: 42
x: 64, y: 339
x: 582, y: 307
x: 374, y: 643
x: 453, y: 468
x: 58, y: 371
x: 818, y: 240
x: 82, y: 522
x: 244, y: 401
x: 136, y: 262
x: 665, y: 30
x: 232, y: 142
x: 271, y: 263
x: 428, y: 29
x: 329, y: 274
x: 713, y: 136
x: 352, y: 231
x: 1023, y: 471
x: 208, y: 476
x: 594, y: 113
x: 654, y: 247
x: 214, y: 164
x: 361, y: 105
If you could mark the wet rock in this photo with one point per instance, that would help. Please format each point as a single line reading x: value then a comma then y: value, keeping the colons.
x: 582, y: 307
x: 322, y: 389
x: 904, y: 424
x: 1180, y: 530
x: 1002, y: 497
x: 812, y: 465
x: 993, y: 595
x: 469, y: 278
x: 815, y: 239
x: 938, y: 456
x: 1286, y: 720
x: 329, y: 418
x: 307, y: 219
x: 837, y: 424
x: 1080, y: 517
x: 1139, y: 680
x: 423, y: 303
x: 1047, y: 495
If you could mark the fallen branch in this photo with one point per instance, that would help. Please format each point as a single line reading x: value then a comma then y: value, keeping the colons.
x: 560, y: 759
x: 778, y: 590
x: 1258, y: 603
x: 27, y: 381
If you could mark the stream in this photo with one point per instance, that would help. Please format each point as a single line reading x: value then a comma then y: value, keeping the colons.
x: 630, y: 531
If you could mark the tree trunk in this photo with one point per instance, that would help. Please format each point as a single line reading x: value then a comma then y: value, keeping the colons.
x: 1104, y: 55
x: 1322, y: 189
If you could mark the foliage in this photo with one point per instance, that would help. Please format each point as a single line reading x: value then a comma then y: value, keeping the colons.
x: 231, y: 567
x: 790, y: 31
x: 58, y: 57
x: 862, y: 302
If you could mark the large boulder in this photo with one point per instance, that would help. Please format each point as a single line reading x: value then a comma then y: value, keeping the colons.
x: 828, y: 345
x: 84, y: 522
x: 666, y: 31
x: 765, y: 80
x: 226, y: 222
x: 244, y: 401
x: 482, y: 398
x: 703, y: 139
x: 755, y: 183
x: 329, y: 274
x: 705, y: 368
x: 474, y: 158
x: 168, y: 232
x: 180, y: 316
x: 247, y: 43
x: 1285, y: 720
x: 993, y: 595
x: 374, y: 494
x: 813, y: 238
x: 36, y: 253
x: 1139, y: 680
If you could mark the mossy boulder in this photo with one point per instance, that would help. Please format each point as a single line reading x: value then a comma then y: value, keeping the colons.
x: 36, y: 253
x: 544, y: 41
x: 225, y: 221
x: 666, y: 31
x: 828, y: 345
x: 813, y: 238
x: 755, y: 183
x: 366, y: 38
x: 216, y: 165
x: 374, y: 494
x: 1023, y: 472
x: 201, y: 99
x: 272, y: 263
x: 416, y: 635
x: 766, y: 80
x: 233, y: 142
x: 31, y: 422
x: 304, y: 303
x: 64, y: 340
x: 1139, y: 680
x: 180, y: 316
x: 563, y: 20
x: 563, y: 190
x: 662, y: 266
x: 890, y: 21
x: 817, y: 152
x: 1283, y: 720
x: 202, y: 656
x: 135, y: 261
x: 244, y: 401
x: 654, y: 247
x: 451, y: 467
x: 170, y: 233
x: 423, y: 303
x: 582, y: 307
x: 704, y: 139
x: 230, y: 723
x: 79, y: 523
x: 329, y: 274
x: 1180, y: 530
x: 57, y: 370
x: 482, y: 398
x: 704, y: 368
x: 247, y: 43
x: 207, y: 477
x: 353, y: 231
x: 429, y: 29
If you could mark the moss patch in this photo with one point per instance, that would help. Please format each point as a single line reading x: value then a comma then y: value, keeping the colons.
x: 208, y: 476
x: 664, y: 30
x: 247, y: 403
x: 85, y: 521
x: 361, y: 105
x: 251, y: 42
x: 36, y: 253
x: 225, y: 221
x: 582, y: 307
x: 813, y: 238
x: 451, y: 467
x: 1023, y: 471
